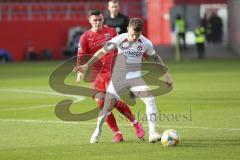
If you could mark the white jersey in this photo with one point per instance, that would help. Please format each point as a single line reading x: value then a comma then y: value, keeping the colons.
x: 130, y: 54
x: 133, y: 51
x: 127, y: 68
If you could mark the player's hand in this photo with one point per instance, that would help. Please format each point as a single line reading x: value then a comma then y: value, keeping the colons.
x: 79, y: 76
x: 168, y: 79
x: 82, y: 67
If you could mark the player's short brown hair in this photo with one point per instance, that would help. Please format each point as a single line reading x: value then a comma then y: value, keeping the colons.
x: 113, y: 1
x: 94, y: 12
x: 136, y: 24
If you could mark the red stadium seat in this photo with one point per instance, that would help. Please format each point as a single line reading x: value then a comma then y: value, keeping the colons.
x: 78, y: 7
x: 4, y: 7
x: 78, y: 11
x: 4, y: 17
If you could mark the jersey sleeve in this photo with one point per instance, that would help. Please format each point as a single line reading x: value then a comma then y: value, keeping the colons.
x: 112, y: 44
x: 82, y: 49
x: 115, y: 40
x: 149, y: 48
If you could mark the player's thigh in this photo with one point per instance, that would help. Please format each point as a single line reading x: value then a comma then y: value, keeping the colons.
x: 98, y: 96
x: 106, y: 77
x: 116, y: 88
x: 139, y: 87
x: 98, y: 88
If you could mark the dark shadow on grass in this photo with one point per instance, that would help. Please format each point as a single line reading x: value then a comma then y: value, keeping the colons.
x: 125, y: 142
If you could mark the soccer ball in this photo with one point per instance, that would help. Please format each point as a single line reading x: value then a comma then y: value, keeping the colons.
x: 170, y: 138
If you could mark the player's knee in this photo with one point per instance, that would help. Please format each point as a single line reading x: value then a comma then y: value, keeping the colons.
x: 148, y: 100
x: 99, y: 95
x: 100, y: 105
x: 100, y: 102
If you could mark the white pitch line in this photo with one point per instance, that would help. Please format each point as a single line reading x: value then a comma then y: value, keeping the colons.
x: 77, y: 98
x: 37, y: 92
x: 203, y: 128
x: 37, y: 106
x: 28, y: 108
x: 122, y: 124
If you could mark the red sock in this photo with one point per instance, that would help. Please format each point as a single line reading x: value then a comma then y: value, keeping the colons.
x: 111, y: 121
x: 125, y: 110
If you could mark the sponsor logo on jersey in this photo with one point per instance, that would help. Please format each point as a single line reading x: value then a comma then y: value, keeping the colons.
x: 107, y: 36
x: 139, y: 48
x: 132, y: 53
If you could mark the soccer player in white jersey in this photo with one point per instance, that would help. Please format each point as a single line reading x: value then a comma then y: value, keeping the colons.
x: 127, y: 74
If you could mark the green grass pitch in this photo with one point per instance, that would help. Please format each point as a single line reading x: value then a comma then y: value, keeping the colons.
x: 205, y: 98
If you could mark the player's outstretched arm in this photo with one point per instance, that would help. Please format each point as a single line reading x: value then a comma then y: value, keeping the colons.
x: 167, y: 76
x: 158, y: 59
x: 101, y: 52
x: 94, y: 58
x: 80, y: 68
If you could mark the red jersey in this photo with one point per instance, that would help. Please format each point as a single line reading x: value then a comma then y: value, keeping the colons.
x: 91, y: 42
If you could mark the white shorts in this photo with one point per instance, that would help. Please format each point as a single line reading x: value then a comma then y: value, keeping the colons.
x: 135, y: 85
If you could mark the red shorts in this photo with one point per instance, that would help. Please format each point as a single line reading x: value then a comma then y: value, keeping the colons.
x: 101, y: 83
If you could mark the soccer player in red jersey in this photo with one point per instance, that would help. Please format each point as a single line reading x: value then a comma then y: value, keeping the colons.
x: 90, y: 42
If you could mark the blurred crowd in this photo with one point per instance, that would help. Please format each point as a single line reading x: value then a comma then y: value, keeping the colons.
x: 209, y: 30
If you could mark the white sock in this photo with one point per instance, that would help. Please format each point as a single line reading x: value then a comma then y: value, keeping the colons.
x: 151, y: 113
x: 100, y: 121
x: 151, y: 123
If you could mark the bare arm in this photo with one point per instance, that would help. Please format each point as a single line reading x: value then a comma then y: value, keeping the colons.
x: 96, y: 56
x: 167, y: 76
x: 81, y: 68
x: 101, y: 52
x: 158, y: 59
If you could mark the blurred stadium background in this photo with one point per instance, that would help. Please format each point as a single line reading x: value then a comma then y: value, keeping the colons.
x: 46, y: 25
